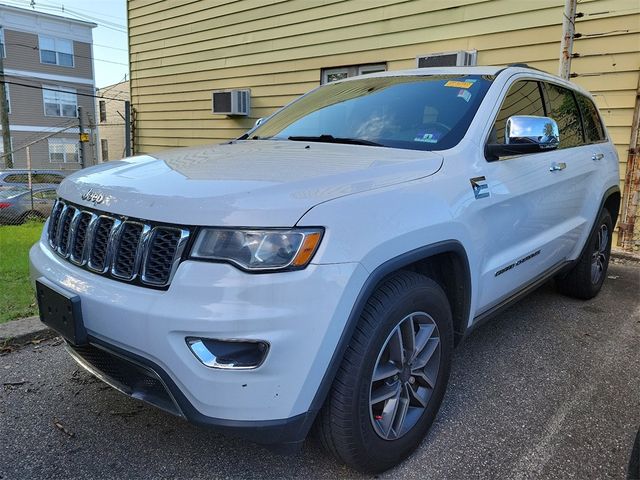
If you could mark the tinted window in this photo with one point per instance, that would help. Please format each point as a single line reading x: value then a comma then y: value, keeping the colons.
x: 16, y: 178
x: 593, y: 129
x: 426, y: 112
x: 45, y: 195
x: 46, y: 178
x: 523, y: 98
x: 564, y: 110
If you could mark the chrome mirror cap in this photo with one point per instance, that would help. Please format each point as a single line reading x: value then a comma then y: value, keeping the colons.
x: 529, y: 129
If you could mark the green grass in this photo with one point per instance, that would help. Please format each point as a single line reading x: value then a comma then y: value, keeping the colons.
x: 17, y: 299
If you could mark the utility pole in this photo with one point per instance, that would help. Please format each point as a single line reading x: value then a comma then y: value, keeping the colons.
x: 566, y: 44
x: 4, y: 114
x: 127, y: 128
x: 81, y: 138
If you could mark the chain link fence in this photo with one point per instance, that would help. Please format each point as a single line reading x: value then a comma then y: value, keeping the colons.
x: 27, y: 195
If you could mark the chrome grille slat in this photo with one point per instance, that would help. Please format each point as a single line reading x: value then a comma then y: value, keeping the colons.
x: 64, y: 230
x: 124, y: 249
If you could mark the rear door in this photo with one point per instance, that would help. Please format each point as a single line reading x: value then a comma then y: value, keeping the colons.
x: 534, y: 212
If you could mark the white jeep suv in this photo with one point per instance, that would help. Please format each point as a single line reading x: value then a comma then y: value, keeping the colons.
x: 320, y: 269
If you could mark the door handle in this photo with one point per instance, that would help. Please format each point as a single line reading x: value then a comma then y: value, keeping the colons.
x: 597, y: 156
x: 557, y: 166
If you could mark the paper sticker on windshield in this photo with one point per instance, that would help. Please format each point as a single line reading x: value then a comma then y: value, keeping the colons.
x: 458, y: 84
x: 427, y: 137
x: 464, y: 94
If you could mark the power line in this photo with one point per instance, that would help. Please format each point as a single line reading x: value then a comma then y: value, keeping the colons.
x: 35, y: 47
x: 80, y: 16
x: 39, y: 140
x: 112, y: 48
x: 39, y: 87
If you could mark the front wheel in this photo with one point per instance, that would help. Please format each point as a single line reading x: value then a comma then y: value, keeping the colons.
x: 393, y: 376
x: 585, y: 279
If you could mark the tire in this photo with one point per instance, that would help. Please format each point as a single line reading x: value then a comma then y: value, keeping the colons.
x: 585, y: 279
x: 364, y: 436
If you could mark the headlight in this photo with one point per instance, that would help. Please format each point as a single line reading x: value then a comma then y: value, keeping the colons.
x: 258, y: 250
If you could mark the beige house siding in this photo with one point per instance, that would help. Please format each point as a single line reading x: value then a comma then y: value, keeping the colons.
x: 23, y: 54
x: 181, y: 51
x: 27, y: 103
x: 27, y: 78
x: 113, y: 128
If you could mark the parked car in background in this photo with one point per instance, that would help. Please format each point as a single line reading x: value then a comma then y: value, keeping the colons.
x: 20, y: 177
x: 18, y: 206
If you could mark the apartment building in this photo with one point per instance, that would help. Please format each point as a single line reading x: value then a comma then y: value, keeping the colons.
x: 48, y: 71
x: 111, y: 120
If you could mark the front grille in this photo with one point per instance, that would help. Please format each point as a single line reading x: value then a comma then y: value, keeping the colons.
x: 124, y: 249
x: 130, y: 377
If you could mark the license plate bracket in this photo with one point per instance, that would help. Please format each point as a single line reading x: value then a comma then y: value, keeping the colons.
x: 60, y: 310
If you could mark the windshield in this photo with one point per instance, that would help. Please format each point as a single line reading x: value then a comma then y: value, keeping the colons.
x: 430, y: 112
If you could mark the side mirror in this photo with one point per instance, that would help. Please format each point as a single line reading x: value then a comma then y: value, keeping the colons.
x: 525, y: 134
x: 258, y: 122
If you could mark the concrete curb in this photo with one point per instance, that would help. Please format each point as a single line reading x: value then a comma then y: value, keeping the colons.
x: 617, y: 254
x: 18, y: 332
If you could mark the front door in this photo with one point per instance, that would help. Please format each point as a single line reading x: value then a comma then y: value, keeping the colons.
x: 534, y: 214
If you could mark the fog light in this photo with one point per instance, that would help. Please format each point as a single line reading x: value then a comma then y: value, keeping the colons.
x: 229, y: 354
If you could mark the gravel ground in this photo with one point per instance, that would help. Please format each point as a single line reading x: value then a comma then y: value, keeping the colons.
x: 549, y: 389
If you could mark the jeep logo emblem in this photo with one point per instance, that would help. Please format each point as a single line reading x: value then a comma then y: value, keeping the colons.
x: 93, y: 196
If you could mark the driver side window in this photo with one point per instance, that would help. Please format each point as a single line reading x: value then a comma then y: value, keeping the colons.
x: 523, y: 98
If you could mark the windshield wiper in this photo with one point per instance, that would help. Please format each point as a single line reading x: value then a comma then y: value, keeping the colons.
x: 332, y: 139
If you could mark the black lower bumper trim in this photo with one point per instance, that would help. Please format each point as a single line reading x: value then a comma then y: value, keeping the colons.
x: 141, y: 378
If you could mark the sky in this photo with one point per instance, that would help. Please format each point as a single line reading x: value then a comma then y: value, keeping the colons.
x: 109, y: 37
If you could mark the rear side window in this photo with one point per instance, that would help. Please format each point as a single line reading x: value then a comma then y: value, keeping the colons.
x: 46, y: 195
x: 46, y: 178
x: 593, y: 129
x: 16, y: 178
x: 564, y: 110
x: 523, y: 98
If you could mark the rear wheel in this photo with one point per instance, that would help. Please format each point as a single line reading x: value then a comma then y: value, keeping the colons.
x: 391, y: 382
x: 585, y: 280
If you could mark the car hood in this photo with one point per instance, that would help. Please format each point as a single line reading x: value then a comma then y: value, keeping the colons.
x: 259, y: 183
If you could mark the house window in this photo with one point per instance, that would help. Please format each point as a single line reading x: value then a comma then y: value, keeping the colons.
x: 59, y: 101
x: 2, y: 51
x: 63, y: 150
x: 56, y: 51
x: 460, y: 58
x: 340, y: 73
x: 103, y: 111
x: 104, y: 143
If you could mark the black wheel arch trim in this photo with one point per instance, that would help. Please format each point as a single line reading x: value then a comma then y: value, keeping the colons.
x: 375, y: 278
x: 614, y: 217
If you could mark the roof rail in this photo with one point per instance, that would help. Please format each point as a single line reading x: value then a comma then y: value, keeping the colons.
x: 519, y: 65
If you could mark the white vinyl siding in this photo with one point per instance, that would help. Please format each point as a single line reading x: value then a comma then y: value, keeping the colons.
x: 59, y: 101
x: 63, y: 150
x: 56, y: 51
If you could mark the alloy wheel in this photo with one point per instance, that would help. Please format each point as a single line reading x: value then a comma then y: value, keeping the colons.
x: 404, y: 375
x: 599, y: 255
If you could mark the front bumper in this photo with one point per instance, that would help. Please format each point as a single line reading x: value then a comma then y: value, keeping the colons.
x: 301, y: 314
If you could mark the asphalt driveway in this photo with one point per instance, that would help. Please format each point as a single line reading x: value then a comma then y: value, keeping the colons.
x: 549, y: 389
